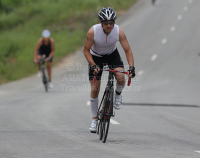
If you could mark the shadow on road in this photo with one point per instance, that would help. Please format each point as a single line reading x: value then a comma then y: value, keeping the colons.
x: 152, y: 104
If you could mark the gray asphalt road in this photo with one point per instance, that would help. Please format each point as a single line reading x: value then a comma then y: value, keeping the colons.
x: 160, y: 116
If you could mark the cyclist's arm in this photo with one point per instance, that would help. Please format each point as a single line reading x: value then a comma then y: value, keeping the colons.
x: 37, y: 49
x: 124, y: 42
x: 52, y: 48
x: 88, y: 44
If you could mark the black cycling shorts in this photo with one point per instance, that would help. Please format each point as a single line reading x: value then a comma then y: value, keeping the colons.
x: 113, y: 61
x: 47, y: 55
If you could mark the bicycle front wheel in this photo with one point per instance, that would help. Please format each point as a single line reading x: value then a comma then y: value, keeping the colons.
x: 45, y: 81
x: 104, y: 114
x: 100, y: 130
x: 108, y: 111
x: 46, y: 87
x: 105, y: 127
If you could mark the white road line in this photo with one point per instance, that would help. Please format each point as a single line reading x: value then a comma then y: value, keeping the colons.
x: 164, y: 41
x: 111, y: 120
x: 190, y: 1
x: 197, y: 151
x: 179, y: 17
x: 114, y: 122
x: 140, y: 72
x: 185, y: 8
x: 172, y: 29
x: 154, y: 57
x: 88, y: 103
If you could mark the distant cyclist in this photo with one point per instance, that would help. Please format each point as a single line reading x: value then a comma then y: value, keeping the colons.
x: 100, y: 49
x: 153, y: 2
x: 45, y: 46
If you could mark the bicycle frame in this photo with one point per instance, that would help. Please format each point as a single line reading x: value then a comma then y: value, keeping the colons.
x: 109, y: 87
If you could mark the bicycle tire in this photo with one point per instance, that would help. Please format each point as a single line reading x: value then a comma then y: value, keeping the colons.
x: 100, y: 116
x: 108, y: 110
x: 105, y: 127
x: 45, y: 83
x: 100, y: 130
x: 46, y: 87
x: 111, y: 102
x: 104, y: 115
x: 44, y: 78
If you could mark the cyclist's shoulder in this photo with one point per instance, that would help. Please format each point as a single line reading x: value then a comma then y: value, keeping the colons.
x: 91, y: 31
x: 40, y: 41
x: 51, y: 40
x: 121, y: 32
x: 96, y: 26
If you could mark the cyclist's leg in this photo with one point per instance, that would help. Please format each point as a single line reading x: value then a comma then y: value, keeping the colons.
x: 49, y: 69
x: 117, y: 64
x: 94, y: 92
x: 120, y: 77
x: 120, y: 84
x: 95, y: 86
x: 39, y: 56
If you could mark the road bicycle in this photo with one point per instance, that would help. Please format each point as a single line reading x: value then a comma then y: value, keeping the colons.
x: 105, y: 109
x: 44, y: 77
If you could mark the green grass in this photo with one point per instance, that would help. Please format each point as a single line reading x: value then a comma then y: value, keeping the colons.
x: 20, y: 29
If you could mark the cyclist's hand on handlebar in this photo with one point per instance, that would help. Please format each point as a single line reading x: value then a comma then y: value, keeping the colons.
x: 131, y: 71
x: 47, y: 59
x: 39, y: 57
x: 95, y: 69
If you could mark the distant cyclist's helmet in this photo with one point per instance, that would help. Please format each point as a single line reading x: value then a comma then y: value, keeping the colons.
x: 106, y: 14
x: 46, y: 34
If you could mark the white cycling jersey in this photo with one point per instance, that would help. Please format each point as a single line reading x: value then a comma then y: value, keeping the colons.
x: 104, y: 44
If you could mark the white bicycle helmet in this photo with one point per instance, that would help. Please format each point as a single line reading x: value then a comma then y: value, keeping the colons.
x: 46, y: 34
x: 106, y: 14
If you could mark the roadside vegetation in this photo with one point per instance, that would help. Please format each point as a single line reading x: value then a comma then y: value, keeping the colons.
x: 22, y: 22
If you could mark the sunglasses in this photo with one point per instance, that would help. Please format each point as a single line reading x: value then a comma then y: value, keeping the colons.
x: 110, y: 23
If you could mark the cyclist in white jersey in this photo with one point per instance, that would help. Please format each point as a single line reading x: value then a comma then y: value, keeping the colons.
x: 99, y: 50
